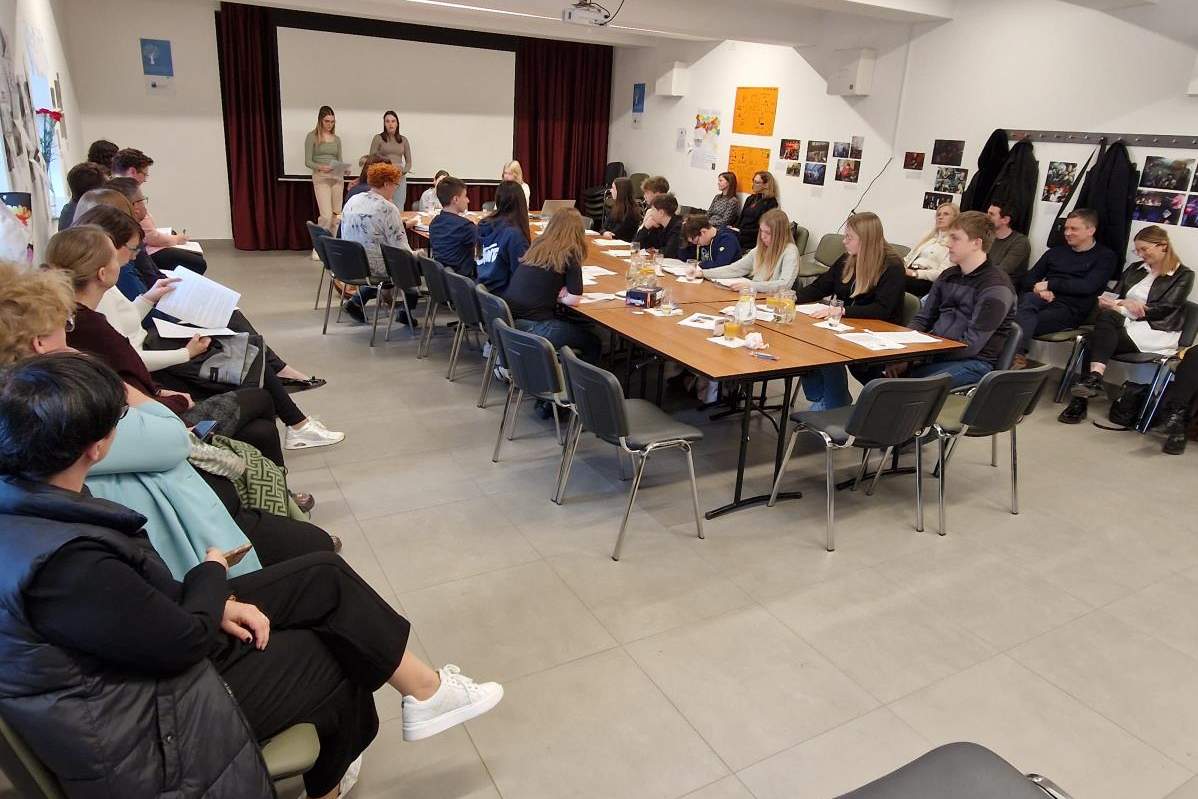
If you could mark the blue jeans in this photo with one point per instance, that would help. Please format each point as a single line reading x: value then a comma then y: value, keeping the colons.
x: 827, y: 388
x: 564, y: 333
x: 963, y: 373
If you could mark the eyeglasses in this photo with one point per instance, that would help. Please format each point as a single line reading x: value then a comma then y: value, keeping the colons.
x: 141, y: 199
x: 70, y: 325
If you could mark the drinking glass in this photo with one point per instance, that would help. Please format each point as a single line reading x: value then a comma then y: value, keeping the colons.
x: 786, y: 306
x: 732, y: 328
x: 835, y: 311
x: 667, y: 302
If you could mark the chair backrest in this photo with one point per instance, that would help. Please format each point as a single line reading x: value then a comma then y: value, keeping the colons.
x: 464, y: 298
x: 24, y: 769
x: 587, y: 223
x: 402, y: 267
x: 531, y: 360
x: 598, y: 398
x: 890, y: 411
x: 801, y: 237
x: 493, y: 307
x: 1003, y: 398
x: 347, y: 259
x: 488, y: 206
x: 318, y: 236
x: 637, y: 178
x: 900, y: 250
x: 830, y: 247
x: 910, y: 308
x: 614, y: 169
x: 1010, y: 347
x: 434, y: 278
x: 1189, y: 328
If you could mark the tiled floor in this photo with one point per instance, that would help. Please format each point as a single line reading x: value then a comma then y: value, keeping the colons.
x: 753, y: 663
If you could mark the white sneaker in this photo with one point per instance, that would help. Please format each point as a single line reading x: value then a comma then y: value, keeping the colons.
x: 312, y: 434
x: 458, y: 700
x: 486, y: 349
x: 315, y: 257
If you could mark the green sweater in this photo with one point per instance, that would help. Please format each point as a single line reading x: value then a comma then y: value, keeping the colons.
x: 318, y: 154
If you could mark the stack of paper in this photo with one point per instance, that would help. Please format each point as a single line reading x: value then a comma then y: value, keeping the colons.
x: 701, y: 321
x: 611, y: 243
x: 810, y: 308
x: 191, y: 246
x: 871, y: 341
x: 171, y: 330
x: 199, y: 300
x: 595, y: 271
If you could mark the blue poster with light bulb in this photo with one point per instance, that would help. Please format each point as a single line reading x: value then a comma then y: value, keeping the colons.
x: 156, y: 58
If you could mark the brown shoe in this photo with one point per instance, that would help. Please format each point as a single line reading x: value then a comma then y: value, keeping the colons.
x: 305, y: 502
x: 1020, y: 362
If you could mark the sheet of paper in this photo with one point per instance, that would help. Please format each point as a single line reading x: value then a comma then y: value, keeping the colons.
x: 732, y: 344
x: 870, y: 341
x: 199, y: 300
x: 597, y: 296
x: 763, y: 314
x: 690, y: 279
x: 810, y: 308
x: 591, y: 270
x: 618, y: 253
x: 827, y: 325
x: 171, y: 330
x: 672, y: 262
x: 611, y: 243
x: 191, y: 246
x: 701, y: 321
x: 592, y: 232
x: 907, y: 337
x: 660, y: 312
x: 679, y: 269
x: 1110, y: 295
x: 589, y: 281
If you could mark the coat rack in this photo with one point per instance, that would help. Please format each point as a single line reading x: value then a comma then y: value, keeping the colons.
x: 1130, y: 139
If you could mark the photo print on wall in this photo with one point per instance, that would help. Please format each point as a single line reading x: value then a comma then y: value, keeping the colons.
x: 948, y: 152
x: 817, y: 152
x: 951, y: 179
x: 857, y: 147
x: 1166, y: 173
x: 841, y: 149
x: 1160, y: 207
x: 934, y: 199
x: 1189, y: 217
x: 795, y: 169
x: 1059, y: 181
x: 790, y: 150
x: 913, y: 161
x: 848, y: 170
x: 814, y: 174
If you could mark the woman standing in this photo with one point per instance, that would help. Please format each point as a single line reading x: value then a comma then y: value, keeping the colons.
x: 396, y: 148
x: 763, y: 200
x: 622, y: 220
x: 322, y: 150
x: 772, y: 264
x: 725, y: 206
x: 513, y: 171
x: 929, y: 257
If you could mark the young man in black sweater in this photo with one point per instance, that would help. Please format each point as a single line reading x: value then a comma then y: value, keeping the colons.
x: 662, y: 229
x: 452, y: 237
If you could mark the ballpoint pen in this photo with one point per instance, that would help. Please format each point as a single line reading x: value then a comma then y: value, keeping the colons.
x: 765, y: 356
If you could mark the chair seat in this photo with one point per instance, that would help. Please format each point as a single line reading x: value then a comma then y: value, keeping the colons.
x: 811, y: 268
x: 291, y: 752
x: 953, y: 771
x: 1138, y: 357
x: 831, y: 422
x: 1060, y: 336
x: 648, y: 424
x: 949, y: 419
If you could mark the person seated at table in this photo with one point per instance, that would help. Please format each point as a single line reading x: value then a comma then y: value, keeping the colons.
x: 652, y: 188
x: 504, y: 236
x: 452, y: 237
x: 429, y: 204
x: 709, y: 246
x: 101, y: 152
x: 1062, y: 289
x: 164, y: 687
x: 164, y: 247
x: 773, y: 264
x: 548, y: 282
x: 972, y: 302
x: 372, y: 219
x: 514, y: 172
x: 80, y: 180
x: 1011, y: 251
x: 661, y: 229
x: 760, y: 202
x: 868, y: 279
x: 361, y: 185
x: 1147, y: 316
x: 623, y: 219
x: 725, y: 206
x: 929, y: 257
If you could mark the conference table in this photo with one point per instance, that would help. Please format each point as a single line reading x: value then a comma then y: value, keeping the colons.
x: 794, y: 348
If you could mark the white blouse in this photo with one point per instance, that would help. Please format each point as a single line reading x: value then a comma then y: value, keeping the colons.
x: 1146, y: 338
x: 929, y: 258
x: 125, y: 317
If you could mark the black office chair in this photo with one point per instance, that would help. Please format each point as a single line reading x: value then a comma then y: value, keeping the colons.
x: 465, y: 303
x: 1163, y: 373
x: 534, y: 372
x: 636, y: 426
x: 403, y: 271
x: 317, y: 234
x: 488, y: 206
x: 492, y: 307
x: 889, y: 413
x: 438, y: 298
x: 911, y: 306
x: 613, y: 170
x: 959, y: 771
x: 348, y: 263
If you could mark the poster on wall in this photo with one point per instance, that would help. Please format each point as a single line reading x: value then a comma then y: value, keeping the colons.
x: 1189, y: 217
x: 841, y: 149
x: 790, y: 150
x: 1059, y: 181
x: 638, y: 104
x: 755, y: 110
x: 814, y: 174
x: 794, y: 169
x: 934, y: 199
x: 857, y: 147
x: 681, y: 140
x: 706, y: 139
x: 744, y: 162
x: 817, y: 152
x: 1159, y: 207
x: 951, y: 179
x: 913, y: 161
x: 1166, y: 173
x: 848, y: 170
x: 948, y: 152
x: 157, y: 65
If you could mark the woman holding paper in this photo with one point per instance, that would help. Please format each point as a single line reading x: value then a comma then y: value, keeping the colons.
x: 322, y: 154
x: 869, y: 280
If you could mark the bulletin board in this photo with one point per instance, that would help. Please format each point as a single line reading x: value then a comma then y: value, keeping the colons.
x: 744, y: 162
x: 755, y: 110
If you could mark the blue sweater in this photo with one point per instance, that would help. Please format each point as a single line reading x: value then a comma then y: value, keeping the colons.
x: 723, y: 249
x: 502, y: 248
x: 452, y: 238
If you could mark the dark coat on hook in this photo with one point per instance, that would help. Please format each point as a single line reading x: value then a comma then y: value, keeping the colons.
x: 1110, y: 191
x: 1016, y: 184
x: 977, y: 197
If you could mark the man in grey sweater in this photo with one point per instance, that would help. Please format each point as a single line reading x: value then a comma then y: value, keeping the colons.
x: 1011, y: 251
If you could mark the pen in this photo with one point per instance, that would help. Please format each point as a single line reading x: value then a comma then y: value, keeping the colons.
x: 763, y: 356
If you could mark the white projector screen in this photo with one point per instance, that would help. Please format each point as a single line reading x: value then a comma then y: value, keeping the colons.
x: 455, y: 104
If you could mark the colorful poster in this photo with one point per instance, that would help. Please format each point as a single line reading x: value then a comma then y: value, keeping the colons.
x: 157, y: 65
x: 1160, y: 207
x: 638, y: 104
x: 848, y: 170
x: 790, y: 150
x: 1059, y: 181
x: 755, y: 110
x: 707, y: 139
x: 913, y: 161
x: 744, y: 162
x: 817, y: 152
x: 814, y: 173
x: 1166, y: 173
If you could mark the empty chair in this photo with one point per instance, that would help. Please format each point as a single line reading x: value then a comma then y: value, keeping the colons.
x: 587, y: 223
x: 534, y: 372
x: 889, y: 413
x: 638, y: 427
x: 959, y: 771
x: 613, y: 170
x: 348, y: 263
x: 438, y: 298
x: 830, y: 247
x: 316, y: 233
x: 465, y: 303
x: 492, y: 307
x: 403, y: 271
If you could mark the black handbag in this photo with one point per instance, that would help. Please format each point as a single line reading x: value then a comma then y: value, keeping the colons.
x: 1125, y: 410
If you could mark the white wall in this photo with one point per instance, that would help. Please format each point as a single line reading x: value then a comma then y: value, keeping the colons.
x: 183, y: 132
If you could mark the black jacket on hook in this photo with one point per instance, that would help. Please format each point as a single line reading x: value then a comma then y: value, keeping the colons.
x: 1016, y: 184
x: 1110, y: 191
x: 990, y: 162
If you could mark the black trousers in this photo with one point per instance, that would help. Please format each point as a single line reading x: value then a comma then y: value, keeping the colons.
x: 256, y: 425
x: 1109, y: 338
x: 187, y: 377
x: 171, y: 257
x: 1037, y: 317
x: 1184, y: 388
x: 333, y: 643
x: 275, y: 538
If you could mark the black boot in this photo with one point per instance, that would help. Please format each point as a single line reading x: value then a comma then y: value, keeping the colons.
x: 1088, y: 387
x: 1175, y: 424
x: 1075, y: 411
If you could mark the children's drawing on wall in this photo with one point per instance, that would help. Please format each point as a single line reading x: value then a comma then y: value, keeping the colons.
x: 706, y: 139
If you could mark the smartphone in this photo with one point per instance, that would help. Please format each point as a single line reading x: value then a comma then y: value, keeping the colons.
x: 234, y: 556
x: 205, y: 430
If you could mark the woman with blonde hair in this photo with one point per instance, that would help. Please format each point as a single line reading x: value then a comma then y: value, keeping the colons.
x: 763, y: 199
x: 514, y: 172
x: 548, y: 282
x: 772, y: 264
x: 322, y: 154
x: 929, y: 257
x: 868, y: 280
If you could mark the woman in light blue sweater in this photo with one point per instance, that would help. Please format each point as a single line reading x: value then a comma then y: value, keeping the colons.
x: 772, y: 264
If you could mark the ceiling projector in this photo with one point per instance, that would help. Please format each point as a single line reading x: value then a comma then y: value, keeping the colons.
x: 584, y: 12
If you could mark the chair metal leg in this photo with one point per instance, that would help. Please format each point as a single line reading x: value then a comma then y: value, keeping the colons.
x: 1168, y: 378
x: 1143, y: 416
x: 328, y: 304
x: 559, y: 486
x: 636, y: 484
x: 940, y: 483
x: 690, y: 465
x: 568, y: 462
x: 830, y: 490
x: 507, y: 406
x: 864, y: 465
x: 319, y: 286
x: 378, y: 307
x: 1071, y: 366
x: 994, y: 451
x: 557, y: 426
x: 790, y: 447
x: 488, y: 374
x: 869, y: 492
x: 511, y: 422
x: 1014, y: 475
x: 430, y: 317
x: 918, y: 484
x: 459, y: 336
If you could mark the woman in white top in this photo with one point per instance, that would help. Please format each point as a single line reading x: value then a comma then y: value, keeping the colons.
x: 1147, y: 315
x: 929, y: 257
x: 429, y: 204
x: 772, y: 264
x: 514, y: 172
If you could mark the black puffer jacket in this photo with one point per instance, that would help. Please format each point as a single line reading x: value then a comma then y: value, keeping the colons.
x: 1110, y: 191
x: 1016, y: 184
x: 106, y: 734
x: 990, y: 162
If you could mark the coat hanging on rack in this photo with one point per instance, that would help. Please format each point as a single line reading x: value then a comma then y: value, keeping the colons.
x: 1016, y: 184
x: 1110, y: 191
x: 994, y: 155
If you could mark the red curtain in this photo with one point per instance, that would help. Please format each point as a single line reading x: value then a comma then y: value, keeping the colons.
x: 563, y: 105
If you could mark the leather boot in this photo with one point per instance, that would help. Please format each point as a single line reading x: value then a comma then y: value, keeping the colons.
x: 1075, y: 411
x: 1088, y: 387
x: 1175, y: 424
